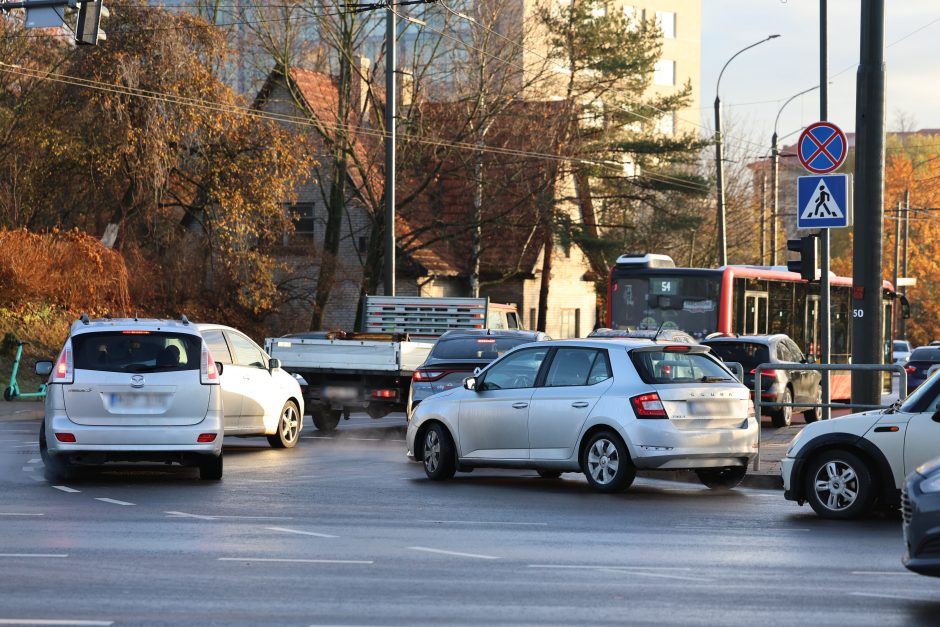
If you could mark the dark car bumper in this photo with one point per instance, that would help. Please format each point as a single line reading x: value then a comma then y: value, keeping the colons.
x: 921, y: 512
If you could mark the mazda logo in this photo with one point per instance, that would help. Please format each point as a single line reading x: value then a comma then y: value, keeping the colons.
x: 137, y: 381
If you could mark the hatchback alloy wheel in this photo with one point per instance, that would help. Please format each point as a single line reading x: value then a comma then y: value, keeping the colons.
x: 288, y: 427
x: 607, y: 463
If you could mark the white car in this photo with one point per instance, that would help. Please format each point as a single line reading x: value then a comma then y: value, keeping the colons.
x: 604, y: 407
x: 901, y: 351
x: 257, y: 396
x: 845, y: 466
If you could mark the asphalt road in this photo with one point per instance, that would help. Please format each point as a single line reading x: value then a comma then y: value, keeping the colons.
x: 344, y: 531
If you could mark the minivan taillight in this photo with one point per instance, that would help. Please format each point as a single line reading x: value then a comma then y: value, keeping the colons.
x: 648, y: 406
x: 208, y: 374
x: 64, y: 371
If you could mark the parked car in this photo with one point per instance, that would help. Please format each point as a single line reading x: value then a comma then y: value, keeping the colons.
x: 920, y: 509
x: 845, y: 467
x: 594, y: 406
x: 922, y: 362
x: 259, y: 398
x: 777, y: 386
x: 457, y: 354
x: 132, y: 390
x: 901, y: 351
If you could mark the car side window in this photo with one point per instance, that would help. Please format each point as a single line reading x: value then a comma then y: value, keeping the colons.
x: 245, y: 351
x: 516, y: 370
x: 783, y: 354
x: 577, y: 366
x: 794, y: 350
x: 217, y: 346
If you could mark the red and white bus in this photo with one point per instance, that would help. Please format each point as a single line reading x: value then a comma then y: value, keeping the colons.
x: 649, y: 291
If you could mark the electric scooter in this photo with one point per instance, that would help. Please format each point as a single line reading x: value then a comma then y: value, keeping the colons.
x: 13, y: 391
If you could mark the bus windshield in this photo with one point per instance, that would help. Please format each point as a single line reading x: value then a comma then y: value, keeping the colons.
x: 689, y: 303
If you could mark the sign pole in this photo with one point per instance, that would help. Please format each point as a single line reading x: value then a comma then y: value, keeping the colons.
x: 825, y: 356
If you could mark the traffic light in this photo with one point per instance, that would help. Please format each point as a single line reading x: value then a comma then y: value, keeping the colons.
x: 87, y: 27
x: 808, y: 265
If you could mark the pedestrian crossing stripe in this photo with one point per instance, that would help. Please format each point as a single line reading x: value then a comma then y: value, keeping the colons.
x: 824, y: 201
x: 821, y: 204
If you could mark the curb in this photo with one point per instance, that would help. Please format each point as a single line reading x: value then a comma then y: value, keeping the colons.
x: 751, y: 480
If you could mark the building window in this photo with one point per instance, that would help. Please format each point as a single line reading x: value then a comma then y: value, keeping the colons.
x: 533, y: 320
x: 363, y: 243
x: 667, y: 23
x: 570, y: 323
x: 301, y: 214
x: 666, y: 124
x: 599, y: 11
x: 633, y: 15
x: 665, y: 72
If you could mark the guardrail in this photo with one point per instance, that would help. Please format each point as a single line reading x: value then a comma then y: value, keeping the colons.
x: 758, y: 404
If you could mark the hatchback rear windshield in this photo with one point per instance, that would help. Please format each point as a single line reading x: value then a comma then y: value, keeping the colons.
x: 137, y: 351
x: 927, y: 353
x: 901, y: 345
x: 678, y: 367
x: 485, y: 348
x: 748, y: 354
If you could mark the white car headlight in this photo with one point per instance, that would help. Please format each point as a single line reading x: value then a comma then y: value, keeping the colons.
x: 931, y: 483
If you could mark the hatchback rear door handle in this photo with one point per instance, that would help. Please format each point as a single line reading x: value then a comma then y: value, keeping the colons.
x: 580, y: 404
x: 520, y: 405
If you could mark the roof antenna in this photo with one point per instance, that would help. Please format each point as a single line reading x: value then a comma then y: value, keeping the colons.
x: 184, y: 319
x: 84, y: 318
x: 658, y: 330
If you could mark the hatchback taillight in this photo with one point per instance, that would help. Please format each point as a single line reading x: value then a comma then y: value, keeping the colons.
x: 208, y: 373
x: 910, y: 369
x: 64, y: 371
x: 648, y: 406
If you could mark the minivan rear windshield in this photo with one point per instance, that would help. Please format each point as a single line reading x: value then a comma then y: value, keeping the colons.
x: 678, y: 367
x: 484, y: 348
x: 136, y: 351
x: 748, y: 354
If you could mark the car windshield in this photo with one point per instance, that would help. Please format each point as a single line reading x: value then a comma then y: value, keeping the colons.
x: 670, y: 366
x: 136, y: 351
x: 901, y: 345
x: 748, y: 354
x: 926, y: 353
x: 485, y: 348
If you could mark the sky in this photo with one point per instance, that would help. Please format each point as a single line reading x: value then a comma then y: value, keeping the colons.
x: 759, y: 81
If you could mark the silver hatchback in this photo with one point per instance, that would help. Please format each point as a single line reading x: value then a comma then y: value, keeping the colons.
x: 132, y: 390
x: 602, y: 407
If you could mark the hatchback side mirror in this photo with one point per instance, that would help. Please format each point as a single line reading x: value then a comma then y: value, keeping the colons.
x: 470, y: 383
x: 43, y: 368
x: 274, y: 363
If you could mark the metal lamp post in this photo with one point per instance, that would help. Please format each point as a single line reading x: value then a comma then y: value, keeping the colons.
x: 722, y: 244
x: 775, y: 177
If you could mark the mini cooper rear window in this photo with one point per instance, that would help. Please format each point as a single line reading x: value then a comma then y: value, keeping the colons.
x: 678, y: 367
x: 155, y: 351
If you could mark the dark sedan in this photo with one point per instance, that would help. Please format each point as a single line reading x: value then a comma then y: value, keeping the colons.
x: 920, y: 507
x: 777, y: 386
x: 919, y: 365
x: 457, y: 354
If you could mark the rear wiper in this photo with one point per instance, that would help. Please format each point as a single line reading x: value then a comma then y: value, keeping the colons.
x: 707, y: 379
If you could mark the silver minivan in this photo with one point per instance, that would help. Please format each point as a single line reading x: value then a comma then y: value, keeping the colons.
x: 126, y: 390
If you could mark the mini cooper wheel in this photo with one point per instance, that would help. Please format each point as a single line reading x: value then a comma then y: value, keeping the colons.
x: 606, y: 463
x: 440, y: 462
x: 722, y: 478
x: 839, y: 485
x: 288, y: 427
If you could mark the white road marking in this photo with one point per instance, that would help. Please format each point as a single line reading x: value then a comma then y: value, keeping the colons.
x: 293, y: 560
x: 185, y: 515
x: 65, y: 488
x: 894, y: 573
x: 455, y: 553
x: 46, y: 621
x: 18, y: 514
x: 483, y: 522
x: 732, y: 529
x: 876, y: 595
x: 302, y: 533
x: 641, y: 573
x: 34, y: 554
x: 256, y: 517
x: 623, y: 568
x: 34, y: 461
x: 29, y: 468
x: 113, y: 501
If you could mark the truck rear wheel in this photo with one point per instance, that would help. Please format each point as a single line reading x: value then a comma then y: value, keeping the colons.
x: 326, y: 419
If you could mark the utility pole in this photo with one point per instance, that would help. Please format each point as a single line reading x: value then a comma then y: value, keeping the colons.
x: 774, y: 197
x: 391, y: 62
x: 897, y: 263
x: 907, y: 230
x: 825, y: 354
x: 720, y: 190
x: 867, y: 254
x: 763, y: 217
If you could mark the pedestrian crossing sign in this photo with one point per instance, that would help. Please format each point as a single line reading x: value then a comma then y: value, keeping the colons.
x: 824, y: 201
